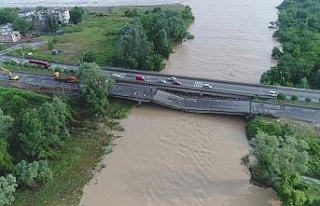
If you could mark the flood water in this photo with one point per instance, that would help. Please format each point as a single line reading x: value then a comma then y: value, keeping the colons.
x: 169, y: 158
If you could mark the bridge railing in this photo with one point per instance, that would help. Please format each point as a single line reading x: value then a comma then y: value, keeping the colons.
x: 187, y: 89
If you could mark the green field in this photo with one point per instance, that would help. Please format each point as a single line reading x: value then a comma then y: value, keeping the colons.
x: 98, y: 34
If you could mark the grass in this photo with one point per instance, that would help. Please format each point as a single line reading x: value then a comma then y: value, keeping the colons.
x: 97, y: 34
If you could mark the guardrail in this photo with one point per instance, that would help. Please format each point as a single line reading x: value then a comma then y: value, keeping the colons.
x: 188, y: 89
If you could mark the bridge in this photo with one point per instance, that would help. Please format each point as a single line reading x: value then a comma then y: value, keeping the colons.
x: 183, y: 98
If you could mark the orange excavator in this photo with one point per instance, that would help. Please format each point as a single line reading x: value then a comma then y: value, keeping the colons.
x: 71, y: 78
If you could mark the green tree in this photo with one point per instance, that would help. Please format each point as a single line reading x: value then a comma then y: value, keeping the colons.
x: 33, y: 174
x: 133, y: 46
x: 89, y: 57
x: 308, y: 100
x: 21, y: 25
x: 7, y: 189
x: 5, y: 158
x: 76, y: 15
x: 32, y: 137
x: 7, y: 15
x: 51, y: 23
x: 281, y: 96
x: 95, y: 87
x: 294, y: 98
x: 6, y: 123
x: 278, y: 158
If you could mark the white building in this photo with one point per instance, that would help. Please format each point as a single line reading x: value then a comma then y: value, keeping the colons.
x: 62, y: 15
x: 7, y: 35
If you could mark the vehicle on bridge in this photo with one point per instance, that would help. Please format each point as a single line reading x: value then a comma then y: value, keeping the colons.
x: 71, y: 78
x: 176, y: 82
x: 115, y: 76
x: 162, y: 81
x: 171, y: 79
x: 207, y: 86
x: 10, y: 76
x: 272, y: 93
x: 45, y: 64
x: 140, y: 78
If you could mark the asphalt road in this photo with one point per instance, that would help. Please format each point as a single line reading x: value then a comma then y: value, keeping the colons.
x: 197, y: 83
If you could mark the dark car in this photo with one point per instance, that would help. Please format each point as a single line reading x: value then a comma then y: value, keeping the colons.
x: 176, y: 82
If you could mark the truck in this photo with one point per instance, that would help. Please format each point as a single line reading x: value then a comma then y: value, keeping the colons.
x: 70, y: 78
x: 45, y: 64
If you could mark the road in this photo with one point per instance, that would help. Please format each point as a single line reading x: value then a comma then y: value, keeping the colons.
x: 197, y: 83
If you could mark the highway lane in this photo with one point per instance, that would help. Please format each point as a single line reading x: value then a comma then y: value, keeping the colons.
x: 197, y: 83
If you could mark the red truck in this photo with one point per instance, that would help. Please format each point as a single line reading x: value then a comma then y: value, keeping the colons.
x: 40, y: 63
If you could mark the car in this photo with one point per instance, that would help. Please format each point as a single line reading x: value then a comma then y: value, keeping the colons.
x: 207, y: 86
x: 176, y: 82
x: 115, y: 76
x: 140, y: 78
x: 171, y: 79
x: 272, y: 93
x: 162, y: 81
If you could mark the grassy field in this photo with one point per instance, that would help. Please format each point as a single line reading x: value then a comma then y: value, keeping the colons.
x: 97, y: 34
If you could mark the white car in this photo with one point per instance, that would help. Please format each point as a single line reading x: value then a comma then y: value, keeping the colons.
x: 162, y: 81
x: 272, y: 93
x: 207, y: 86
x: 171, y: 79
x: 115, y: 76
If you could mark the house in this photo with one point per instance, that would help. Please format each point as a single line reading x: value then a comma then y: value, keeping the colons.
x: 62, y: 15
x: 7, y: 35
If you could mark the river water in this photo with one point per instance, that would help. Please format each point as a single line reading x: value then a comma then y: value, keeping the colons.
x: 169, y: 158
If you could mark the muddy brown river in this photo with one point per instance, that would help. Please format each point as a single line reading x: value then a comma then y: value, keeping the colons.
x: 169, y: 158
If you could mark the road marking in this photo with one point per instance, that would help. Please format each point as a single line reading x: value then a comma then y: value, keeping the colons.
x: 198, y: 84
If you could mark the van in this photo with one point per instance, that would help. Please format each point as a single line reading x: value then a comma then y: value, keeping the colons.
x: 272, y: 93
x: 140, y: 78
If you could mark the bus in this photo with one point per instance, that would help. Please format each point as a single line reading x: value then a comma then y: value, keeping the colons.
x: 40, y: 63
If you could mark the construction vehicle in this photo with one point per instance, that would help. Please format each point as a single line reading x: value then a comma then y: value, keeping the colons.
x: 71, y: 78
x: 10, y: 76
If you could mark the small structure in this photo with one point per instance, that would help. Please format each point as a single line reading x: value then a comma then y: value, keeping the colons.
x: 55, y: 52
x: 7, y: 35
x: 60, y: 32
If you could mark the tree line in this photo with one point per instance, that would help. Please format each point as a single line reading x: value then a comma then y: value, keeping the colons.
x: 149, y: 37
x: 299, y: 58
x: 33, y: 127
x: 285, y: 155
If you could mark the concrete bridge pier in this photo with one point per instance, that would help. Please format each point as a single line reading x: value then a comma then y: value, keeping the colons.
x: 139, y: 103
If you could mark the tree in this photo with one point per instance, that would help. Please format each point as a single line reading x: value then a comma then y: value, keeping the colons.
x: 95, y: 87
x: 51, y: 23
x: 32, y: 137
x: 7, y: 15
x: 132, y: 46
x: 6, y: 123
x: 308, y: 100
x: 278, y: 158
x: 294, y: 98
x: 32, y: 174
x: 42, y: 128
x: 281, y: 96
x: 76, y: 15
x: 7, y: 189
x: 21, y: 25
x: 5, y: 158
